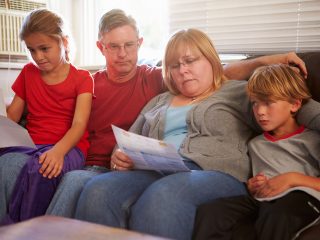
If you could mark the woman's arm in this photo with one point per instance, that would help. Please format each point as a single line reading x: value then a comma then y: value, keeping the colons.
x: 52, y: 160
x: 309, y: 115
x: 242, y: 70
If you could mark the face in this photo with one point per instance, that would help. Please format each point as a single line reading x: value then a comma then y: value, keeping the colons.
x: 192, y: 74
x: 47, y: 52
x: 120, y: 48
x: 275, y: 116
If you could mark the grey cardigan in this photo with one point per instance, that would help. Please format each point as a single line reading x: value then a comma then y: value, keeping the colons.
x: 219, y: 128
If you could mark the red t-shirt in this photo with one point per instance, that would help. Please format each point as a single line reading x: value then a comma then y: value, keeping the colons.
x: 118, y: 104
x: 51, y: 107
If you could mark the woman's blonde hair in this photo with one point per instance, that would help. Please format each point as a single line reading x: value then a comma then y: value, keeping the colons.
x: 198, y: 43
x: 48, y: 23
x: 113, y: 19
x: 277, y: 82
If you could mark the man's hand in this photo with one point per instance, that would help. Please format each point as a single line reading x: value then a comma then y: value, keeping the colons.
x: 291, y: 59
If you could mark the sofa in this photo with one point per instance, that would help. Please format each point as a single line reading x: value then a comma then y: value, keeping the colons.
x: 312, y: 60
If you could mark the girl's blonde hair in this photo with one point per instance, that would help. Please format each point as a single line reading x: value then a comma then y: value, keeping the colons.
x: 198, y: 43
x: 48, y: 23
x: 278, y: 82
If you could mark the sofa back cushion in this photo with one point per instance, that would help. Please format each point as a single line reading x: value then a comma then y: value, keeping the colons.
x: 312, y: 61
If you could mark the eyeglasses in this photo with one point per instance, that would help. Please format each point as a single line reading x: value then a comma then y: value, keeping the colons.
x: 188, y: 62
x: 128, y: 47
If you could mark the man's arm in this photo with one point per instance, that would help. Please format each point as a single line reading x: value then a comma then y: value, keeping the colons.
x: 242, y: 70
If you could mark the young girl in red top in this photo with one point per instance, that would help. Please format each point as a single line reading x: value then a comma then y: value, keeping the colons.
x: 58, y: 98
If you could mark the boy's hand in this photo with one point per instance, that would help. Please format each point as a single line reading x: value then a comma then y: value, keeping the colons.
x: 255, y: 183
x: 52, y: 163
x: 276, y: 185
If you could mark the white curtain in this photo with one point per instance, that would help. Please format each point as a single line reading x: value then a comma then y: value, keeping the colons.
x: 252, y: 26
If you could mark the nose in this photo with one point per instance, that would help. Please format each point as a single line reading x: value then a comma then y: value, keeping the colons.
x: 260, y: 110
x: 122, y: 51
x: 37, y: 55
x: 183, y: 67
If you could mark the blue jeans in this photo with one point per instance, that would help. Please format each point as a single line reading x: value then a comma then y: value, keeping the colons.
x: 66, y: 197
x: 167, y: 208
x: 10, y: 167
x: 151, y: 202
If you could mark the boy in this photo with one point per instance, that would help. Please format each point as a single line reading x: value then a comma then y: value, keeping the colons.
x: 285, y: 190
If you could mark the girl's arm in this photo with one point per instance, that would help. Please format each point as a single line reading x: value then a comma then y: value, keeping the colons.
x: 52, y: 160
x: 16, y: 108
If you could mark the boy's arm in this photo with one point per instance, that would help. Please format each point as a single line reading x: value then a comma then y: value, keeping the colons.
x: 283, y: 182
x: 242, y: 70
x: 52, y: 160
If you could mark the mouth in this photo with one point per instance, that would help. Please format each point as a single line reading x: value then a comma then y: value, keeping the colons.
x: 188, y: 80
x: 263, y: 122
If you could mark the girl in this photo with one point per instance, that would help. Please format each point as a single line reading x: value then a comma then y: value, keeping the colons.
x: 58, y: 98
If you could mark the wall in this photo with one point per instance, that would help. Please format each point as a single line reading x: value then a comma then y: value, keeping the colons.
x: 8, y: 74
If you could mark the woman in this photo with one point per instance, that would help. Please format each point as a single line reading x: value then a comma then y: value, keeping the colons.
x: 208, y: 119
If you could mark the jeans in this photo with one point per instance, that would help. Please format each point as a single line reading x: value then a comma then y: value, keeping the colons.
x: 66, y: 197
x: 151, y: 202
x: 10, y: 167
x: 168, y: 207
x: 107, y: 198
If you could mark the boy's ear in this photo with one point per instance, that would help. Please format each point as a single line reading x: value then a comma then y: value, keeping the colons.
x: 296, y: 105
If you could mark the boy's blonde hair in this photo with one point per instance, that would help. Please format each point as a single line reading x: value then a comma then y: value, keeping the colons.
x: 278, y: 82
x: 113, y: 19
x: 198, y: 43
x: 48, y: 23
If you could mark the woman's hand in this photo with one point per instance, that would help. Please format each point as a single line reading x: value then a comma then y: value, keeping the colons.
x: 52, y: 163
x: 120, y: 161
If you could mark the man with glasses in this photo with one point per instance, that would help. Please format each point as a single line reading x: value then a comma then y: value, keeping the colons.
x: 121, y: 91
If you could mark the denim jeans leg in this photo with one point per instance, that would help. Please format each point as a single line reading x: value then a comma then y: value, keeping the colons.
x: 65, y: 199
x: 10, y: 167
x: 107, y: 198
x: 167, y: 208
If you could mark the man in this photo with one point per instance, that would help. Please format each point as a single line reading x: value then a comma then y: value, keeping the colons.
x: 121, y: 91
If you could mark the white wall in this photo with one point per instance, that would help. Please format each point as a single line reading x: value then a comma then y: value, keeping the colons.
x: 8, y: 75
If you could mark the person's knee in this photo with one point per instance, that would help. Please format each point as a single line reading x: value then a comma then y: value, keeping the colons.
x: 13, y: 160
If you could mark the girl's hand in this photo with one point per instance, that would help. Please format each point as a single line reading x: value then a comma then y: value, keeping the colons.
x: 52, y: 163
x: 276, y: 185
x: 120, y: 161
x: 255, y: 183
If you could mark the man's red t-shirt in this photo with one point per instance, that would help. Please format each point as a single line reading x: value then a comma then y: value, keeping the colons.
x: 118, y: 104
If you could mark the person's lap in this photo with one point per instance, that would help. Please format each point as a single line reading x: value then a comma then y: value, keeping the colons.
x: 10, y: 167
x: 66, y: 197
x: 107, y: 198
x: 167, y: 208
